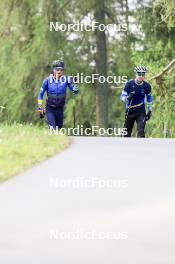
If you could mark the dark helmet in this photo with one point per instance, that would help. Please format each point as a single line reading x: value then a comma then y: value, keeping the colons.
x: 140, y: 69
x: 58, y: 64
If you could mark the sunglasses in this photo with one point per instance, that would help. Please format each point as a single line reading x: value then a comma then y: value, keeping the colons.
x: 140, y: 74
x: 58, y: 69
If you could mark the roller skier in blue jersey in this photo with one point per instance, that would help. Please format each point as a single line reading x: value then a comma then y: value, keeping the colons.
x: 134, y: 94
x: 55, y: 86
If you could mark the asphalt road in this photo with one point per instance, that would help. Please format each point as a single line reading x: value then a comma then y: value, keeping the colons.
x: 103, y: 200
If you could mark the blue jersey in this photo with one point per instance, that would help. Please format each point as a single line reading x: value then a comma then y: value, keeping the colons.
x: 141, y: 91
x: 54, y: 88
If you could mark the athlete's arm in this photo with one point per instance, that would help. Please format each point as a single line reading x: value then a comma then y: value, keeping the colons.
x: 72, y: 87
x: 42, y: 91
x: 125, y: 92
x: 149, y: 98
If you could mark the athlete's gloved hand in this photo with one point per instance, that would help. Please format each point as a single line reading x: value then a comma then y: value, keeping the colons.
x: 41, y: 111
x: 75, y: 89
x: 130, y: 96
x: 148, y: 116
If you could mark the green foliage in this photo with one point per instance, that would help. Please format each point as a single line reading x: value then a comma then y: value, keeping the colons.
x: 167, y: 11
x: 27, y: 48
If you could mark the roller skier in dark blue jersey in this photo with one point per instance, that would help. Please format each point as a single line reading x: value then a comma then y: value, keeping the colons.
x: 55, y: 86
x: 134, y: 94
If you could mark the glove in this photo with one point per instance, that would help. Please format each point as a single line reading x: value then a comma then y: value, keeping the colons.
x: 41, y: 111
x: 148, y: 116
x: 75, y: 89
x: 130, y: 96
x: 42, y: 115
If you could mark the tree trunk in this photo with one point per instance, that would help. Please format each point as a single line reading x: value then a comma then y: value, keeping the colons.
x: 101, y: 67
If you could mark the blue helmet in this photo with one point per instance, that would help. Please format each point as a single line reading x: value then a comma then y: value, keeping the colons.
x: 58, y: 64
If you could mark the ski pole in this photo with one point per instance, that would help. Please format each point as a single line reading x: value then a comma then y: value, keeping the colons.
x: 74, y: 111
x: 127, y: 113
x: 74, y: 102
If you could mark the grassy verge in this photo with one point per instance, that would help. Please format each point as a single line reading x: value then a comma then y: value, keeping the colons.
x: 23, y: 145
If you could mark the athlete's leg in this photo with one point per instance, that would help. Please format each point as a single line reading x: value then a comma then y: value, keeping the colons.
x: 141, y: 121
x: 50, y: 117
x: 129, y: 123
x: 59, y: 117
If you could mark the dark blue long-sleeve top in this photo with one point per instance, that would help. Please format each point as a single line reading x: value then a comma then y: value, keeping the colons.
x: 140, y: 92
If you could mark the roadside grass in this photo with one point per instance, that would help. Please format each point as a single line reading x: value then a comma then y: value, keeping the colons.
x: 22, y: 146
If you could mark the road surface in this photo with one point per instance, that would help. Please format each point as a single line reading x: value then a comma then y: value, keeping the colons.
x: 103, y: 200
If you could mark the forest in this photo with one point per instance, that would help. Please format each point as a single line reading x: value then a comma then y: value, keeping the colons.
x: 33, y: 33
